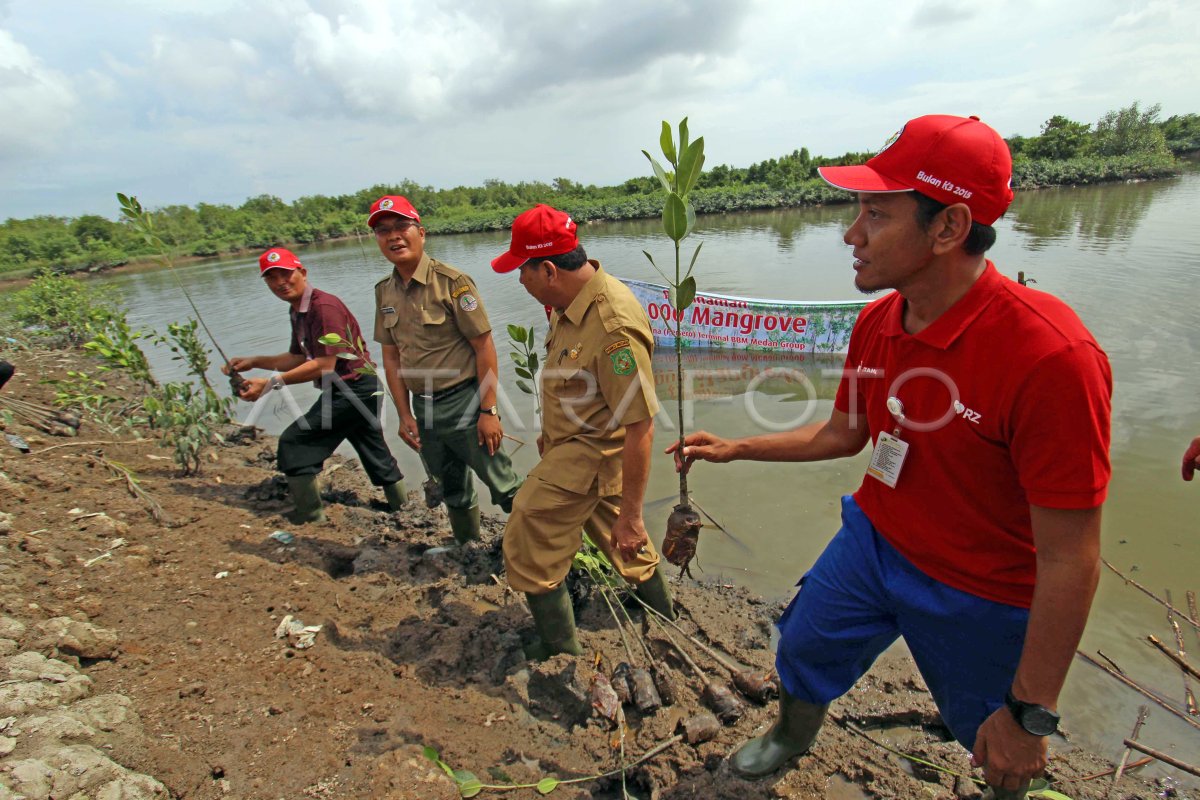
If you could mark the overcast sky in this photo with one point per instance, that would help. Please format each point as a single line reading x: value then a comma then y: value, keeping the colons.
x: 187, y: 101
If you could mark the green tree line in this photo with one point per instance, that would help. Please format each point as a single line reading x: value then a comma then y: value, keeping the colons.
x: 1126, y: 143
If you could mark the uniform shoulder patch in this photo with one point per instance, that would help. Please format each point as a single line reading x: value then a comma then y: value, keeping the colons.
x: 623, y: 361
x: 468, y: 302
x: 615, y: 346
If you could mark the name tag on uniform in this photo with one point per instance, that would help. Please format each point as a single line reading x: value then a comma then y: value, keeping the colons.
x: 888, y: 459
x: 387, y: 310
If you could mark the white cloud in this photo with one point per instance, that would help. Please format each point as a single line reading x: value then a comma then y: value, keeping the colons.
x: 35, y: 102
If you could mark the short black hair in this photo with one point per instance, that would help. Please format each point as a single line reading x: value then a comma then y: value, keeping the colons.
x: 978, y: 241
x: 568, y: 262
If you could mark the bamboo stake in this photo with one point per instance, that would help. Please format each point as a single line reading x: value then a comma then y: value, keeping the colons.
x: 1188, y: 698
x: 1140, y: 689
x: 1143, y: 712
x: 1193, y: 622
x: 1181, y: 662
x: 1163, y: 757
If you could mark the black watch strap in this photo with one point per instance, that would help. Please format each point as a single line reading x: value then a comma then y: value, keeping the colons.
x: 1033, y: 718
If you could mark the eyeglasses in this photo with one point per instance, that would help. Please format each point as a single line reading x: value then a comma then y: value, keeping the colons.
x: 399, y: 226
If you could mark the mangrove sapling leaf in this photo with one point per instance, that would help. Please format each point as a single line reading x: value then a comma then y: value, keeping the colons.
x: 691, y: 163
x: 667, y: 141
x: 547, y: 785
x: 675, y: 218
x: 695, y: 255
x: 656, y: 269
x: 663, y: 178
x: 686, y: 294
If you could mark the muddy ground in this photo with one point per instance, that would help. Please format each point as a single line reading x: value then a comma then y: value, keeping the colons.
x: 419, y: 646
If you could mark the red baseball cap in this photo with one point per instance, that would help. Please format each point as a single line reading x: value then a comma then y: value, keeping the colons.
x: 278, y: 258
x: 540, y: 231
x: 951, y: 159
x: 392, y: 204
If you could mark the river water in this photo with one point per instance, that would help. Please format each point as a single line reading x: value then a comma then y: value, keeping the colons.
x: 1125, y: 257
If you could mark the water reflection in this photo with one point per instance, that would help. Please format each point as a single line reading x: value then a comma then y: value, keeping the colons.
x: 1099, y: 215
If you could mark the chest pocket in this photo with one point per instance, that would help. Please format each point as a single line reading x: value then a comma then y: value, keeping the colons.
x: 574, y: 383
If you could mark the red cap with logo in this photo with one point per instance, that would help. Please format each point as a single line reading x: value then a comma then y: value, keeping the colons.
x: 392, y: 204
x: 540, y: 231
x: 278, y: 258
x: 951, y: 159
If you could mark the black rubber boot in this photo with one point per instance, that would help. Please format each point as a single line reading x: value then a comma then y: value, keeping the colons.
x: 792, y: 735
x: 555, y: 622
x: 396, y: 494
x: 307, y: 499
x: 464, y: 523
x: 6, y: 372
x: 655, y: 593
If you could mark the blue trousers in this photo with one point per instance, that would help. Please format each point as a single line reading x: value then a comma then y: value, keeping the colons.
x: 862, y: 594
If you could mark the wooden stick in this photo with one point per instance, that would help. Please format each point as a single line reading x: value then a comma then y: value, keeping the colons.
x: 1143, y: 712
x: 1163, y: 757
x: 1194, y: 623
x: 84, y: 444
x: 1195, y: 615
x: 1114, y: 664
x: 1188, y: 698
x: 1140, y: 689
x: 1141, y: 762
x: 1181, y: 662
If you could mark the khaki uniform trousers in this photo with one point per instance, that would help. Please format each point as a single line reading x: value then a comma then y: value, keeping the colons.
x: 544, y: 534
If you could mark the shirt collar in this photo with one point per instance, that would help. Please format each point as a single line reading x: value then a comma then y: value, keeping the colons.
x: 946, y: 329
x: 420, y: 275
x: 587, y: 295
x: 306, y: 300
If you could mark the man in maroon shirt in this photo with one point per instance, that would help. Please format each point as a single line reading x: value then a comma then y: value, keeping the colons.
x: 349, y: 404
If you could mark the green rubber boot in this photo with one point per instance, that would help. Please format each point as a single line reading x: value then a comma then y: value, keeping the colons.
x: 306, y: 497
x: 396, y: 494
x: 464, y: 523
x: 792, y: 735
x: 555, y: 622
x: 655, y: 593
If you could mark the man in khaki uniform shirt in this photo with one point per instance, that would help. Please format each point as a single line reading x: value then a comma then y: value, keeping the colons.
x: 598, y: 407
x: 437, y: 344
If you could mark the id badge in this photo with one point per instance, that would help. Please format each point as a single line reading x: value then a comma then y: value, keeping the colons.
x: 888, y: 459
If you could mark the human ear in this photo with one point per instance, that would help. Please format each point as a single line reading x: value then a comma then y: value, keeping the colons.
x: 950, y: 228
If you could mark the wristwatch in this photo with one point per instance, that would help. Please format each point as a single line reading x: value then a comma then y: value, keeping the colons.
x: 494, y: 411
x: 276, y: 382
x: 1035, y: 719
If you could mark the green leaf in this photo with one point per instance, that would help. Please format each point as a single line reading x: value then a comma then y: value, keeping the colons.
x: 691, y: 216
x: 431, y: 754
x: 470, y: 788
x: 548, y: 785
x: 675, y: 217
x: 524, y: 373
x: 348, y: 356
x: 1049, y: 794
x: 516, y: 333
x: 683, y: 135
x: 331, y: 339
x: 667, y: 142
x: 686, y: 294
x: 695, y: 255
x: 659, y: 171
x: 691, y: 163
x: 364, y: 371
x: 533, y: 362
x: 656, y: 269
x: 517, y: 358
x: 524, y: 387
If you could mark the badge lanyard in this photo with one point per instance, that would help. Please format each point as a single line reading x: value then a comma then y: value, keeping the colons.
x: 890, y: 450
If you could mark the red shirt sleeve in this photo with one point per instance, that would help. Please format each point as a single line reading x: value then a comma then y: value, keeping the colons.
x: 1060, y: 431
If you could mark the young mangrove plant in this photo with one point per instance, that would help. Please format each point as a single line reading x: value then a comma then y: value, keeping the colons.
x: 525, y: 357
x: 686, y: 159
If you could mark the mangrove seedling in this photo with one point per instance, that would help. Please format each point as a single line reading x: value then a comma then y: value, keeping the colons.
x: 525, y: 357
x: 686, y: 160
x: 142, y: 222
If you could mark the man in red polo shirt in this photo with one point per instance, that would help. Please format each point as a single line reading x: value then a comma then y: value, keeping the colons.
x: 975, y: 534
x: 348, y: 407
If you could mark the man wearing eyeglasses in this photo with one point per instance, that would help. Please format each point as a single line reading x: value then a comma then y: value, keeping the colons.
x: 437, y: 344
